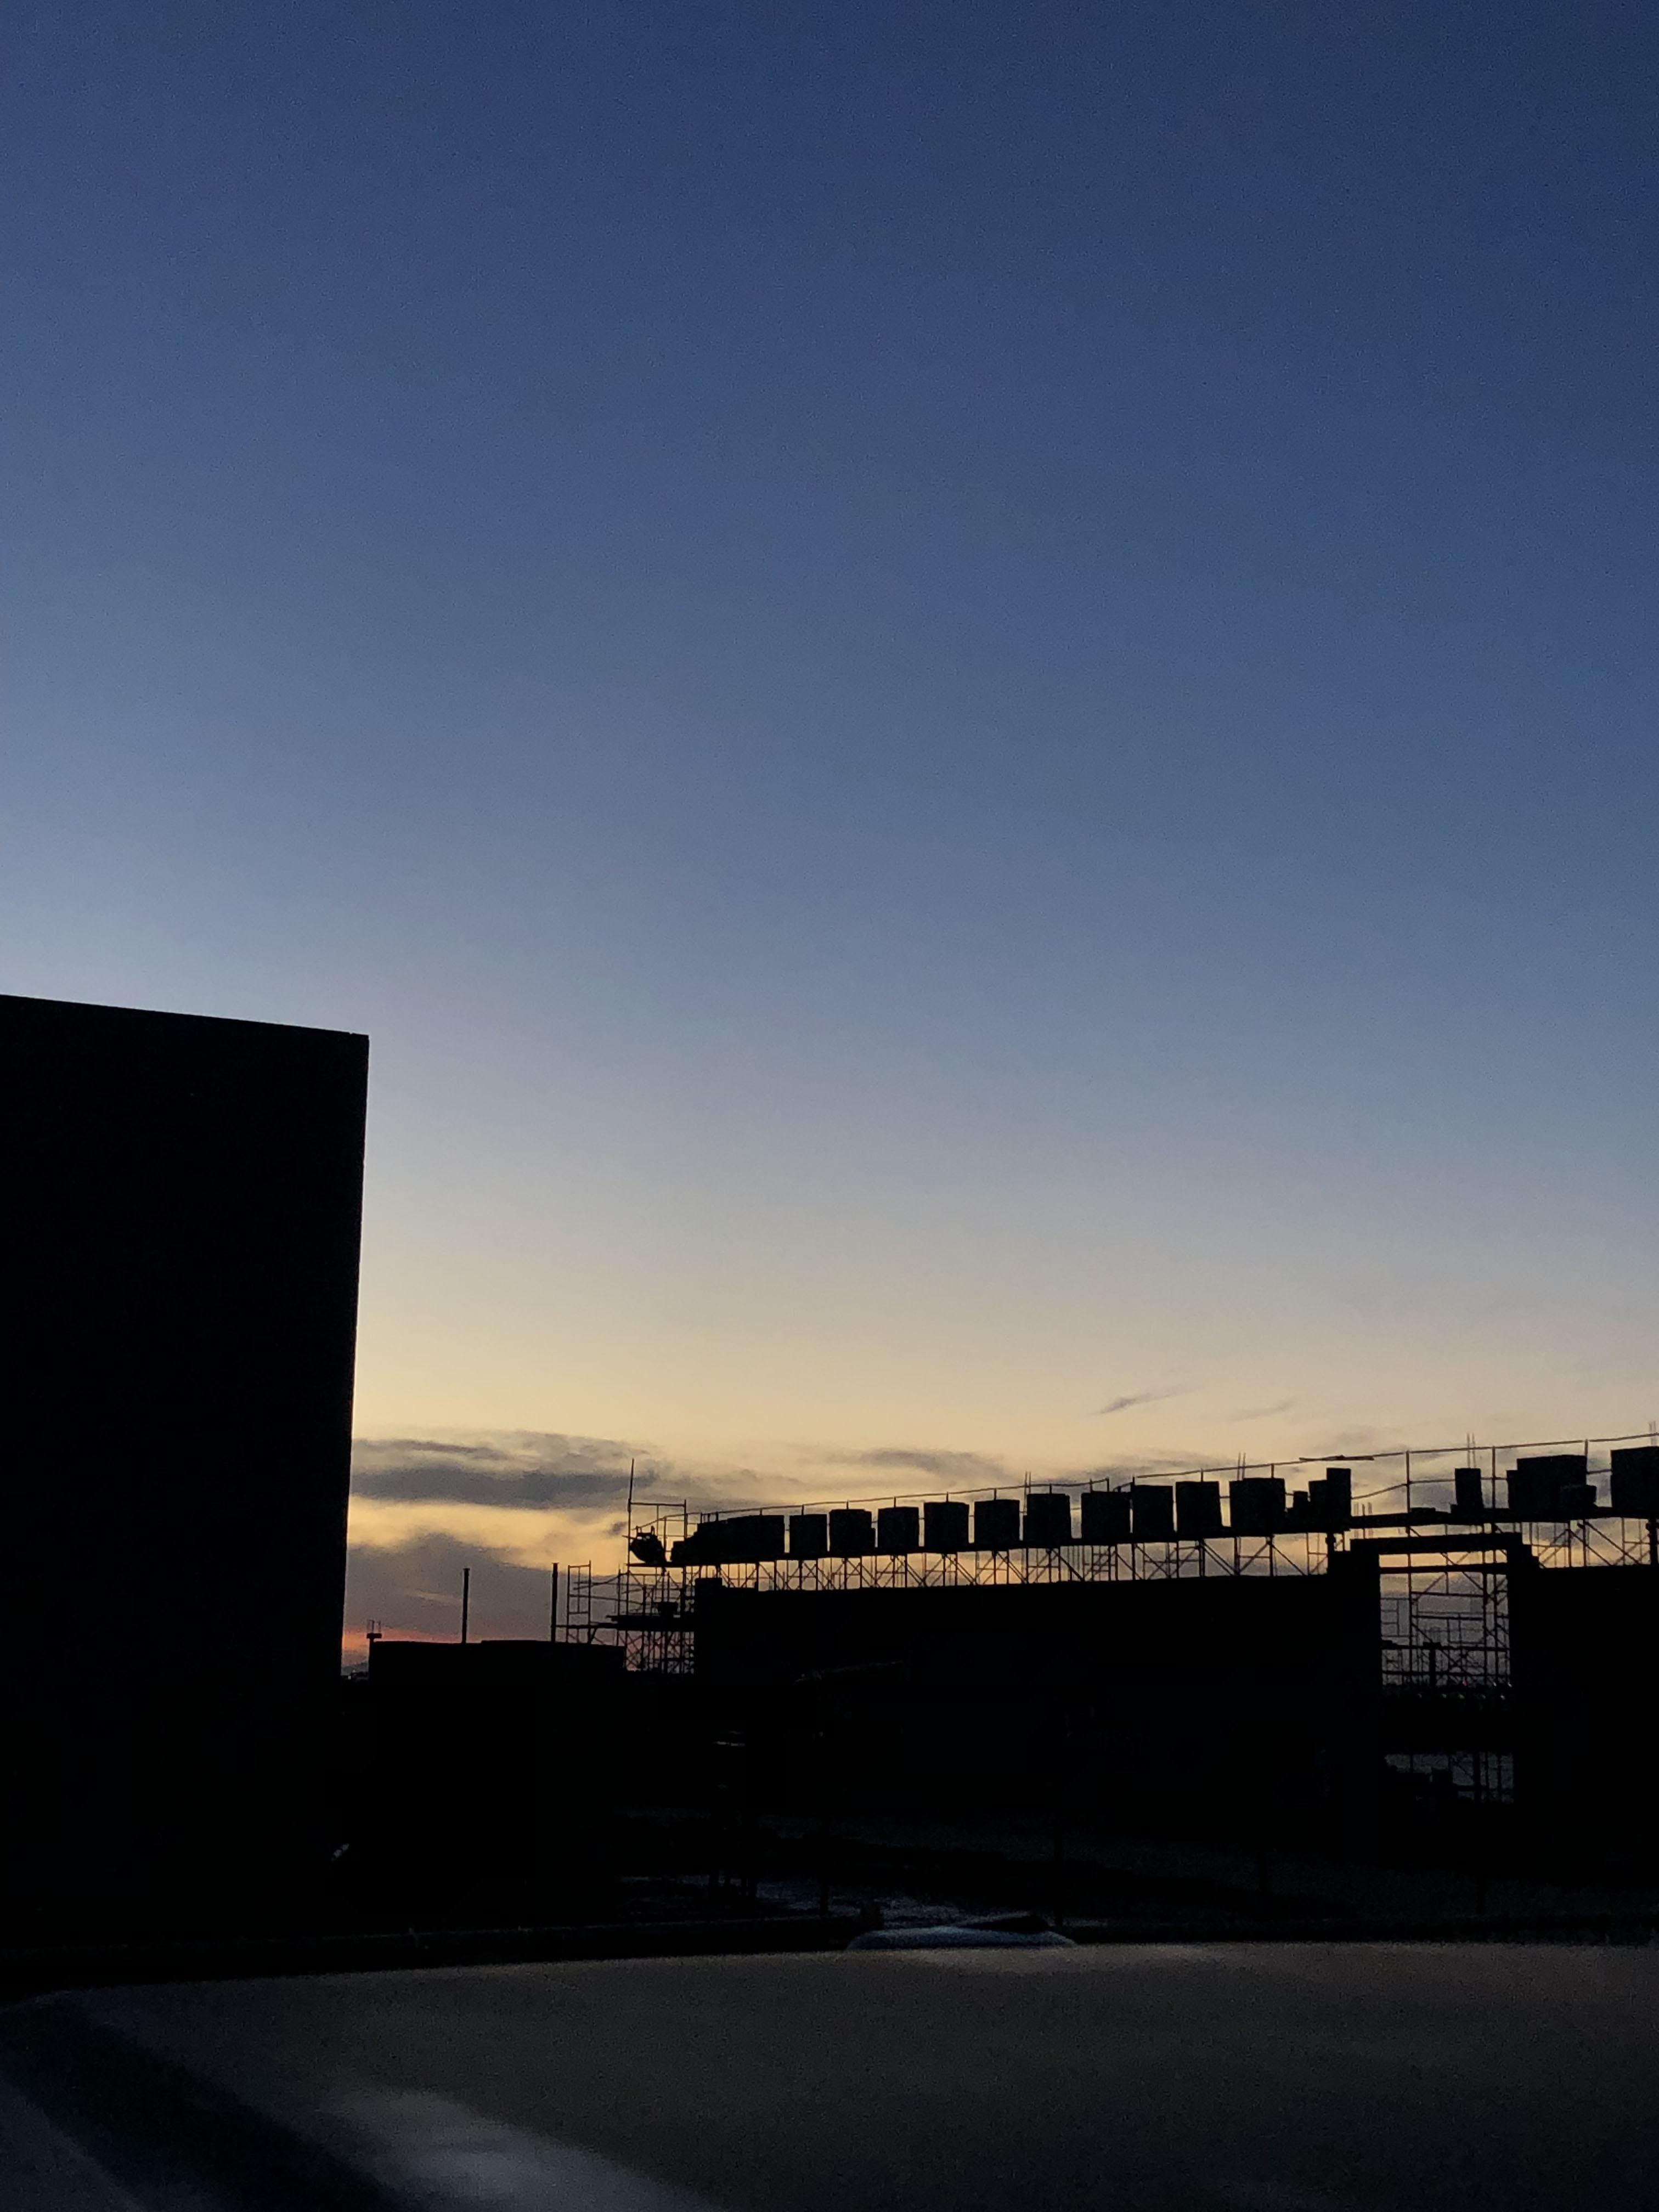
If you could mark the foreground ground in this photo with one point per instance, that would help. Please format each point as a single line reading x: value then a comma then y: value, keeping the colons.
x: 1245, y: 2078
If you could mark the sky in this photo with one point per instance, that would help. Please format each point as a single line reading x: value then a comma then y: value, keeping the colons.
x: 966, y: 695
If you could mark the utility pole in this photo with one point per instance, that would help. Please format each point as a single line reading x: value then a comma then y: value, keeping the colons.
x: 466, y: 1598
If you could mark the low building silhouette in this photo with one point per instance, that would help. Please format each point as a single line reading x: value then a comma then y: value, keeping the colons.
x: 481, y: 1777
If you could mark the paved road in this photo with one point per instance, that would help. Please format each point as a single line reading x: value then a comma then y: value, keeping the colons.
x: 1233, y: 2079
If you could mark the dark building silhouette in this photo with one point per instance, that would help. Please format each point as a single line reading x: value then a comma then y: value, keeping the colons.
x: 480, y: 1777
x: 1270, y: 1709
x: 1586, y: 1642
x: 180, y: 1206
x: 1216, y: 1706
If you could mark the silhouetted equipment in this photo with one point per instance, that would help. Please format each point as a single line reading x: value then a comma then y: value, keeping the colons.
x: 996, y: 1524
x: 1255, y: 1505
x: 730, y: 1540
x: 945, y: 1525
x: 1332, y: 1500
x: 1151, y: 1513
x: 809, y: 1535
x: 852, y: 1532
x: 1634, y: 1489
x: 1048, y: 1519
x: 647, y: 1549
x: 762, y: 1535
x: 1104, y: 1516
x: 1198, y: 1509
x: 180, y: 1206
x: 1469, y: 1499
x: 1551, y: 1486
x: 898, y: 1528
x: 1327, y: 1503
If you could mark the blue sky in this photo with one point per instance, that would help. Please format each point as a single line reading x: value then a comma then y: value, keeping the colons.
x: 966, y: 694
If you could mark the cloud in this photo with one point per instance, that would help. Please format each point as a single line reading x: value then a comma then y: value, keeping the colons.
x: 534, y: 1536
x: 1132, y: 1468
x: 1263, y: 1412
x: 515, y: 1468
x: 959, y: 1467
x: 1143, y: 1398
x: 1358, y: 1441
x: 414, y: 1590
x: 526, y: 1481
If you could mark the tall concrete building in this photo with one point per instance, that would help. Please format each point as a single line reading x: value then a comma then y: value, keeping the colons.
x: 179, y: 1211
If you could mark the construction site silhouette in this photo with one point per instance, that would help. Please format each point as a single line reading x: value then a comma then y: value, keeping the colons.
x: 1219, y: 1692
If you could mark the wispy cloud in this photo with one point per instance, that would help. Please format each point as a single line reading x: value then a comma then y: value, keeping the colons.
x: 1358, y: 1441
x: 535, y: 1470
x: 952, y: 1466
x: 1263, y: 1412
x: 511, y: 1469
x: 1143, y: 1398
x: 1131, y: 1467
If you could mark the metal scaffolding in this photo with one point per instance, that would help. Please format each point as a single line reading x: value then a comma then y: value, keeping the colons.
x: 1444, y: 1623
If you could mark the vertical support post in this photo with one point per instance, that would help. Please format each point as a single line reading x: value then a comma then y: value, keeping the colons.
x: 466, y: 1598
x: 821, y: 1717
x: 1061, y: 1770
x: 553, y: 1608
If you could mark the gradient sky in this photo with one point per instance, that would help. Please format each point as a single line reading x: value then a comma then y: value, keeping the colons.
x: 966, y: 693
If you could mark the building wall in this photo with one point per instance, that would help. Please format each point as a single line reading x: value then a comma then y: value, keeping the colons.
x: 485, y: 1775
x: 1229, y: 1705
x: 179, y: 1210
x: 1240, y: 1705
x: 1585, y: 1659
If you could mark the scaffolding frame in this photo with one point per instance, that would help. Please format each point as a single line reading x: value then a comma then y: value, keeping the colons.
x: 1410, y: 1490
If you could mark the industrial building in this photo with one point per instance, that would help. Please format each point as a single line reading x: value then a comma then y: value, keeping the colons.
x: 180, y: 1199
x: 1341, y: 1658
